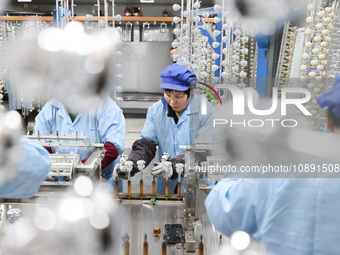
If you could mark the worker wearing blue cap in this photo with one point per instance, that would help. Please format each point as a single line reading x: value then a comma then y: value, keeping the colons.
x: 287, y: 215
x: 173, y: 121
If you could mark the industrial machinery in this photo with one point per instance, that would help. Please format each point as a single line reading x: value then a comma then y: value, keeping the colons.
x: 309, y: 53
x: 65, y: 168
x: 214, y: 45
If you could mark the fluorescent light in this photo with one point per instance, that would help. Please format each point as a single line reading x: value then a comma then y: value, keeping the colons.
x: 24, y: 0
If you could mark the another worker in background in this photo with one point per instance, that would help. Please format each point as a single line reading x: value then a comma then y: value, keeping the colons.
x: 31, y: 172
x: 24, y: 164
x: 13, y: 100
x: 287, y: 215
x: 172, y: 53
x: 104, y: 124
x: 173, y: 121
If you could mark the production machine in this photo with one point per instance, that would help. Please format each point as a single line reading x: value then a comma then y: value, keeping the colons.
x: 182, y: 213
x: 214, y: 43
x: 309, y: 55
x: 65, y: 168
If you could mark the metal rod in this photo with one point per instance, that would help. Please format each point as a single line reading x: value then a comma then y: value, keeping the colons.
x: 145, y: 246
x: 129, y: 188
x: 141, y: 187
x: 127, y: 248
x: 201, y: 246
x: 164, y: 245
x: 179, y: 188
x: 72, y: 9
x: 154, y: 186
x: 62, y: 13
x: 166, y: 188
x: 106, y: 13
x: 113, y: 13
x: 190, y: 49
x: 57, y: 12
x: 221, y: 46
x: 181, y: 34
x: 66, y: 10
x: 98, y: 10
x: 116, y: 187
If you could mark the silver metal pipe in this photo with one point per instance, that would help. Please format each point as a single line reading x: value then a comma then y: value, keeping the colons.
x: 62, y: 14
x: 113, y: 13
x: 98, y: 10
x: 221, y: 46
x: 191, y: 22
x: 106, y: 13
x: 66, y: 12
x: 181, y: 34
x: 63, y: 9
x: 72, y: 9
x: 57, y: 12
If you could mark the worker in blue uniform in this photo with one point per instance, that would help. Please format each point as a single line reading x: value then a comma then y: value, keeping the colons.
x: 289, y: 216
x: 173, y: 121
x: 13, y: 100
x: 30, y: 172
x: 103, y: 124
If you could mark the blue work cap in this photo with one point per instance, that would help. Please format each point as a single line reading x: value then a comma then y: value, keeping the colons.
x: 177, y: 77
x: 331, y: 99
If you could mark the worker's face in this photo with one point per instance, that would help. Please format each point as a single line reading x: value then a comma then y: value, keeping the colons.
x: 172, y: 53
x: 177, y: 100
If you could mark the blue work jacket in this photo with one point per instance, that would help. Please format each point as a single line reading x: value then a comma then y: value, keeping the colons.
x: 103, y: 124
x: 25, y: 178
x: 295, y: 216
x: 169, y: 136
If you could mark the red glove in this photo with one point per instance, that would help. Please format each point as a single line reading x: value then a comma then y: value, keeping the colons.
x: 110, y: 155
x: 49, y: 149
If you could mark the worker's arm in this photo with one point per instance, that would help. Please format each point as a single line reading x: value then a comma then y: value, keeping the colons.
x: 111, y: 130
x: 145, y: 148
x: 43, y: 124
x: 231, y: 206
x: 29, y: 173
x: 111, y: 153
x: 111, y: 125
x: 43, y: 121
x: 142, y: 149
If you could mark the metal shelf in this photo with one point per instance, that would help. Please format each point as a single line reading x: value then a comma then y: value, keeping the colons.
x: 83, y: 18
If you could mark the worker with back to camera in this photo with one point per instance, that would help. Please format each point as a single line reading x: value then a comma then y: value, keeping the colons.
x: 287, y: 215
x: 30, y: 173
x: 173, y: 121
x: 24, y: 164
x: 103, y: 124
x: 13, y: 102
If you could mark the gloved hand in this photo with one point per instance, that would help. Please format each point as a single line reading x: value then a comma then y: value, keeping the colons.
x: 159, y: 170
x: 51, y: 179
x: 120, y: 172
